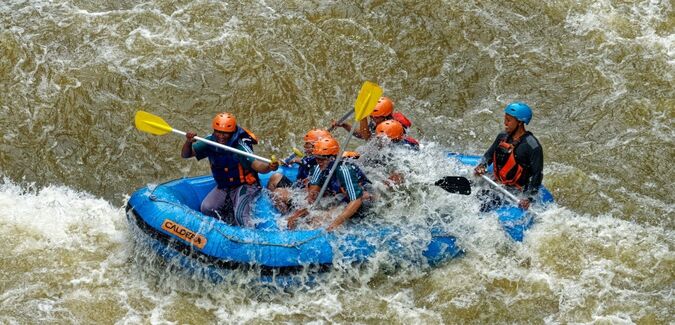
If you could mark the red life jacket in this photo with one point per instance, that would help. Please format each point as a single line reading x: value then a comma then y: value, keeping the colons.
x: 411, y: 141
x: 398, y: 116
x: 507, y: 170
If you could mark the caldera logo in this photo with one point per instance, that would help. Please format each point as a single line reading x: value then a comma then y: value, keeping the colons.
x: 183, y: 233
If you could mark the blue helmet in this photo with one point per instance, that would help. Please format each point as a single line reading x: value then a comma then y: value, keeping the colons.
x: 520, y: 111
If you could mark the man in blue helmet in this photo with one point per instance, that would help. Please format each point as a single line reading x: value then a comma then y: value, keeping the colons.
x: 517, y: 156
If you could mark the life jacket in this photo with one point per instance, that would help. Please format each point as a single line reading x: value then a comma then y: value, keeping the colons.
x: 507, y: 171
x: 397, y: 116
x: 225, y: 166
x: 411, y: 143
x: 305, y: 166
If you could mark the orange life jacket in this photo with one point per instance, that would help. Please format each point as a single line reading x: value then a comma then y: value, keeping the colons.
x: 507, y: 170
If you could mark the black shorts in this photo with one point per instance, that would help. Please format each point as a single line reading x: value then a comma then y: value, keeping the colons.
x: 284, y: 182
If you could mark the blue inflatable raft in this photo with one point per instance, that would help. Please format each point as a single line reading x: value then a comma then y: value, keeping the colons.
x: 513, y: 219
x: 167, y: 217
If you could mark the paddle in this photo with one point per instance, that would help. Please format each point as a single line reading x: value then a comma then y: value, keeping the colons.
x: 454, y: 184
x: 508, y: 194
x: 364, y: 106
x: 296, y: 153
x: 341, y: 120
x: 461, y: 185
x: 154, y: 124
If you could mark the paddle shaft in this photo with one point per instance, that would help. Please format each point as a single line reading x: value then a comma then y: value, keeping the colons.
x: 501, y: 189
x: 332, y: 170
x: 340, y: 121
x: 364, y: 106
x: 224, y: 147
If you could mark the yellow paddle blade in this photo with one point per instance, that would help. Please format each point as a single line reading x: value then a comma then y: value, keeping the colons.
x: 365, y: 103
x: 298, y: 153
x: 151, y: 123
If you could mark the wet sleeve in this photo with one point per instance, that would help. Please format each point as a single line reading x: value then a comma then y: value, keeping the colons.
x: 487, y: 157
x: 350, y: 182
x: 536, y: 172
x: 316, y: 176
x: 201, y: 149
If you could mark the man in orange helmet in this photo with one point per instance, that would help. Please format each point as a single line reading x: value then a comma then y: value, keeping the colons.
x: 384, y: 110
x: 280, y: 185
x: 348, y: 181
x: 391, y: 133
x: 395, y: 132
x: 236, y: 176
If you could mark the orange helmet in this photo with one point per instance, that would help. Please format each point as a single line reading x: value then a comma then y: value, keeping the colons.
x: 384, y: 107
x: 351, y: 154
x: 390, y: 128
x: 315, y: 134
x: 326, y: 147
x: 224, y: 122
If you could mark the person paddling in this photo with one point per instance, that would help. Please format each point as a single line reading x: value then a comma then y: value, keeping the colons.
x: 391, y: 134
x: 236, y: 176
x: 395, y: 132
x: 280, y: 185
x: 348, y: 181
x: 517, y: 158
x: 384, y: 110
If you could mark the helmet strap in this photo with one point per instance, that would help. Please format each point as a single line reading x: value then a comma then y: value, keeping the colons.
x: 519, y: 131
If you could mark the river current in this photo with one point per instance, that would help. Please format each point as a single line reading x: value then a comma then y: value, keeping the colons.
x: 598, y: 75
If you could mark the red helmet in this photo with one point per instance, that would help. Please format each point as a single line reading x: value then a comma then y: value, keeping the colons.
x: 390, y: 128
x: 326, y: 147
x: 315, y: 134
x: 384, y: 107
x: 224, y: 122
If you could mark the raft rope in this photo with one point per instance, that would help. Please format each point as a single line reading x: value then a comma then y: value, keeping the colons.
x: 228, y: 237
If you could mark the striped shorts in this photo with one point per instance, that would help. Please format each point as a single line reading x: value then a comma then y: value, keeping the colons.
x: 232, y: 205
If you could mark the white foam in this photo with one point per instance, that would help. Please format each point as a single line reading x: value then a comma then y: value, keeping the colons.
x: 58, y: 215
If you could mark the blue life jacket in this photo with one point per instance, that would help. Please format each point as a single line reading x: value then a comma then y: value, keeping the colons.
x: 226, y: 166
x: 306, y: 165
